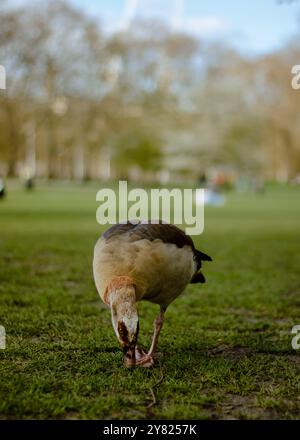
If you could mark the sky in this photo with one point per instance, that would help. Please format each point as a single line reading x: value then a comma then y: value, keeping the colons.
x: 252, y: 26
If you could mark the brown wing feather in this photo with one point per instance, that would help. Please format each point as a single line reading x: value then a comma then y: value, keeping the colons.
x: 165, y: 232
x: 118, y: 229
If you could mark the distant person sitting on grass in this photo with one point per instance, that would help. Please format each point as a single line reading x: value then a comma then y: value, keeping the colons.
x: 29, y: 183
x: 2, y: 189
x: 202, y: 180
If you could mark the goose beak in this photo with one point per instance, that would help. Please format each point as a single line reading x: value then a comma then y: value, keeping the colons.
x: 129, y: 356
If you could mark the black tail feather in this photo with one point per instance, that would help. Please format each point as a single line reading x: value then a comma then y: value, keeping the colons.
x: 202, y: 256
x: 199, y: 257
x: 198, y: 278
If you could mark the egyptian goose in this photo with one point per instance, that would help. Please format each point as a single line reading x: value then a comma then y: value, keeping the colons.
x: 143, y: 261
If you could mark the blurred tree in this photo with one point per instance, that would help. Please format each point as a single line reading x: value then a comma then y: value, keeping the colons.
x: 81, y: 104
x: 137, y: 150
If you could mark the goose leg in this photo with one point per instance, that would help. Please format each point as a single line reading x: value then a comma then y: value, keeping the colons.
x: 158, y: 323
x: 144, y: 359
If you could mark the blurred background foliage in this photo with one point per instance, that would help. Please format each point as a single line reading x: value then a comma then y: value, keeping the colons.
x: 147, y: 103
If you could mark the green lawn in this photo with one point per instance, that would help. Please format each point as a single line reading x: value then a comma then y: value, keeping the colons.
x: 226, y: 345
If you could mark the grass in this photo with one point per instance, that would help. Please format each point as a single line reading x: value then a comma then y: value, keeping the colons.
x: 226, y: 345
